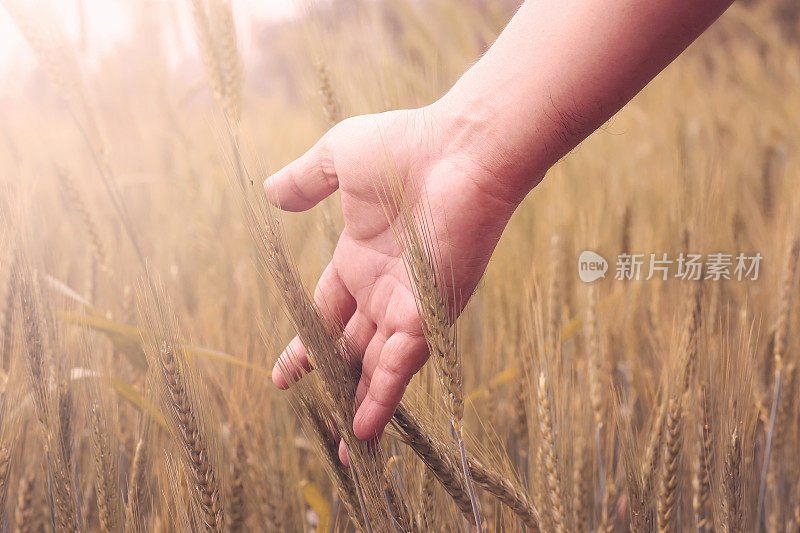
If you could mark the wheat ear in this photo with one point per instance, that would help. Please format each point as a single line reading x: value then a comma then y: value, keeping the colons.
x: 732, y: 485
x: 330, y: 101
x: 422, y: 258
x: 191, y: 438
x: 441, y: 461
x: 53, y: 408
x: 701, y: 479
x: 520, y: 429
x: 549, y: 455
x: 319, y: 428
x: 74, y: 196
x: 692, y: 332
x: 667, y: 498
x: 106, y: 476
x: 596, y: 386
x: 434, y: 455
x: 653, y: 454
x: 580, y: 484
x: 216, y: 36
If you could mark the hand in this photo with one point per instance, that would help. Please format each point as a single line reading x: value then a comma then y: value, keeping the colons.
x: 366, y: 286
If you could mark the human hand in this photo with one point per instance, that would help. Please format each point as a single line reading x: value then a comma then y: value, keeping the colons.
x: 366, y: 286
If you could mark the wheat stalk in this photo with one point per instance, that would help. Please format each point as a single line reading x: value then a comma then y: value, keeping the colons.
x: 24, y: 511
x: 555, y: 297
x: 435, y: 456
x: 608, y: 517
x: 520, y: 427
x: 5, y: 470
x: 8, y: 315
x: 137, y: 488
x: 333, y: 114
x: 334, y: 357
x: 35, y: 346
x: 781, y: 330
x: 427, y: 518
x: 237, y: 501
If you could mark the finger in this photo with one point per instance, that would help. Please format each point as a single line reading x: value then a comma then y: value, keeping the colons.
x: 371, y: 357
x: 371, y: 353
x: 292, y: 365
x: 359, y: 332
x: 336, y: 305
x: 343, y: 455
x: 335, y: 302
x: 304, y: 182
x: 402, y: 357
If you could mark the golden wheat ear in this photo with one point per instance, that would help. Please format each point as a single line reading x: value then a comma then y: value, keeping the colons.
x: 436, y: 303
x: 336, y: 361
x: 444, y: 463
x: 309, y: 403
x: 183, y: 411
x: 216, y: 37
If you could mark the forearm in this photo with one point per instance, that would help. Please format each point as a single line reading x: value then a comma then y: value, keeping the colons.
x: 558, y: 72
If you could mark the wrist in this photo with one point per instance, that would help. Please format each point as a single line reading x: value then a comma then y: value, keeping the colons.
x: 478, y: 127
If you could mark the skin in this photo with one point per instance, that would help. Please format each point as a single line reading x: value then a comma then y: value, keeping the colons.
x: 557, y: 72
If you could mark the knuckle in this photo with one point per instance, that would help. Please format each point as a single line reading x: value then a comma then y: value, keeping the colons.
x: 381, y: 399
x: 297, y: 191
x: 394, y: 372
x: 323, y: 166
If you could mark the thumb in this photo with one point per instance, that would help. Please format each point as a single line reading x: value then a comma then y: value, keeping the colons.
x: 304, y: 182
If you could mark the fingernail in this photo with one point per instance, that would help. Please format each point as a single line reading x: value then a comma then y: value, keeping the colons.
x: 358, y: 421
x: 269, y: 181
x: 278, y: 378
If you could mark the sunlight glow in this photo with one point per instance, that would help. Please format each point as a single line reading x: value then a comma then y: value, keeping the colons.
x: 108, y: 22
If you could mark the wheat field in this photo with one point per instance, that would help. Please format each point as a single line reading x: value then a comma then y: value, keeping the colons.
x: 146, y: 290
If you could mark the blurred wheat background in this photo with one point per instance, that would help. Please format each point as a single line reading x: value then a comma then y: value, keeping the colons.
x: 146, y: 290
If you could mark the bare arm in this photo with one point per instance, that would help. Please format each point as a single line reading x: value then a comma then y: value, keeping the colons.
x: 555, y: 74
x: 560, y: 70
